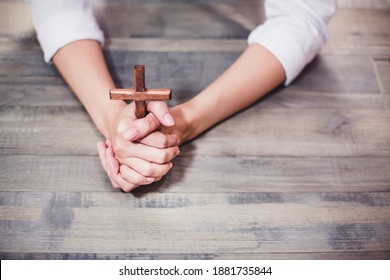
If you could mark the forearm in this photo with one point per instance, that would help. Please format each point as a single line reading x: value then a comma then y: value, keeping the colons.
x: 255, y: 73
x: 82, y: 65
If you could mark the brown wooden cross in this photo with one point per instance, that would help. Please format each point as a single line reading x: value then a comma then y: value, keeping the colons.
x: 139, y: 93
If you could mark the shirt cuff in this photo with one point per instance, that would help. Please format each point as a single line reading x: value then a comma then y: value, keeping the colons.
x: 60, y: 29
x: 283, y: 45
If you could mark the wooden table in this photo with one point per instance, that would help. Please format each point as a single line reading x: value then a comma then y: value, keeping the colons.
x: 302, y: 174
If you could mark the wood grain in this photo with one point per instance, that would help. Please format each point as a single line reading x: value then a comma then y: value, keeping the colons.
x: 328, y: 73
x: 268, y: 132
x: 302, y: 174
x: 382, y: 67
x: 252, y: 174
x: 195, y: 224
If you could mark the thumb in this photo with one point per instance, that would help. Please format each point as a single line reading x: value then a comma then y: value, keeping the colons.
x: 161, y: 111
x: 158, y: 115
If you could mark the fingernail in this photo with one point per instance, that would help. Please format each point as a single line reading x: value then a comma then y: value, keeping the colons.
x: 149, y: 179
x: 169, y: 119
x: 130, y: 134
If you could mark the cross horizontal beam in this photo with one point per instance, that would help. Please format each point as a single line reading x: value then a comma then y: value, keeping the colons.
x: 157, y: 94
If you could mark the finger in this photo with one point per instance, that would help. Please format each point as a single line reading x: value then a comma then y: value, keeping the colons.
x: 160, y: 140
x: 148, y: 153
x: 112, y: 167
x: 159, y: 115
x: 122, y: 176
x: 133, y: 179
x: 141, y: 128
x: 101, y: 147
x: 161, y: 111
x: 146, y: 168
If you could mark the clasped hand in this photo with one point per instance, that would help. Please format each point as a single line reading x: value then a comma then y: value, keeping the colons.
x: 137, y: 152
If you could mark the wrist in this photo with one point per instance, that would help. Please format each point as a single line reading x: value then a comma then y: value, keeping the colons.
x: 108, y: 116
x: 187, y: 123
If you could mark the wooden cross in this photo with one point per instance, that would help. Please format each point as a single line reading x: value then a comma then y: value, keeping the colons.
x: 139, y: 93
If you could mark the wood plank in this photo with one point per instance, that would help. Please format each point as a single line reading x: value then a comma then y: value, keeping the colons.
x: 231, y: 19
x: 24, y: 94
x: 365, y: 48
x: 307, y: 178
x: 288, y: 97
x: 177, y: 45
x: 279, y: 132
x: 328, y: 73
x: 377, y: 4
x: 179, y: 19
x: 269, y: 132
x: 20, y: 124
x: 51, y: 94
x: 301, y: 240
x: 366, y: 255
x: 356, y: 25
x: 16, y: 20
x: 350, y: 34
x: 338, y: 73
x: 194, y: 173
x: 115, y: 222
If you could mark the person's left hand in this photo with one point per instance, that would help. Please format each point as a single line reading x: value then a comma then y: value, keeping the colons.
x: 139, y: 154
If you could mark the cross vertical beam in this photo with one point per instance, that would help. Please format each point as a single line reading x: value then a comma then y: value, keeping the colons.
x: 139, y: 85
x: 140, y: 94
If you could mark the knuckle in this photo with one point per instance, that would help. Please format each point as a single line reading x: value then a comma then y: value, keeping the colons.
x: 128, y: 188
x: 156, y: 105
x: 152, y: 123
x: 148, y: 171
x: 162, y: 157
x: 132, y: 179
x: 161, y: 140
x: 120, y: 151
x: 165, y: 140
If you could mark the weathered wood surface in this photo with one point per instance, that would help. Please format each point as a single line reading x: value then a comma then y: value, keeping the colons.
x: 309, y: 177
x: 249, y: 223
x: 204, y: 173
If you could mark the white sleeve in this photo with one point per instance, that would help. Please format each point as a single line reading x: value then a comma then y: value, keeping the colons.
x: 60, y: 22
x: 294, y: 31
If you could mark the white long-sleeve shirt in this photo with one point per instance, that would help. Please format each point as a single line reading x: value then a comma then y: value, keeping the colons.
x: 294, y: 30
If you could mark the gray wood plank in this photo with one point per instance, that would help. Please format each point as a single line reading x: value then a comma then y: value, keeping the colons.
x: 338, y: 73
x: 230, y: 19
x: 365, y: 255
x: 268, y: 132
x: 307, y: 178
x: 288, y: 97
x: 176, y: 19
x: 24, y: 94
x: 194, y: 173
x: 119, y: 223
x: 16, y: 20
x: 180, y: 19
x: 356, y: 25
x: 378, y: 4
x: 328, y: 73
